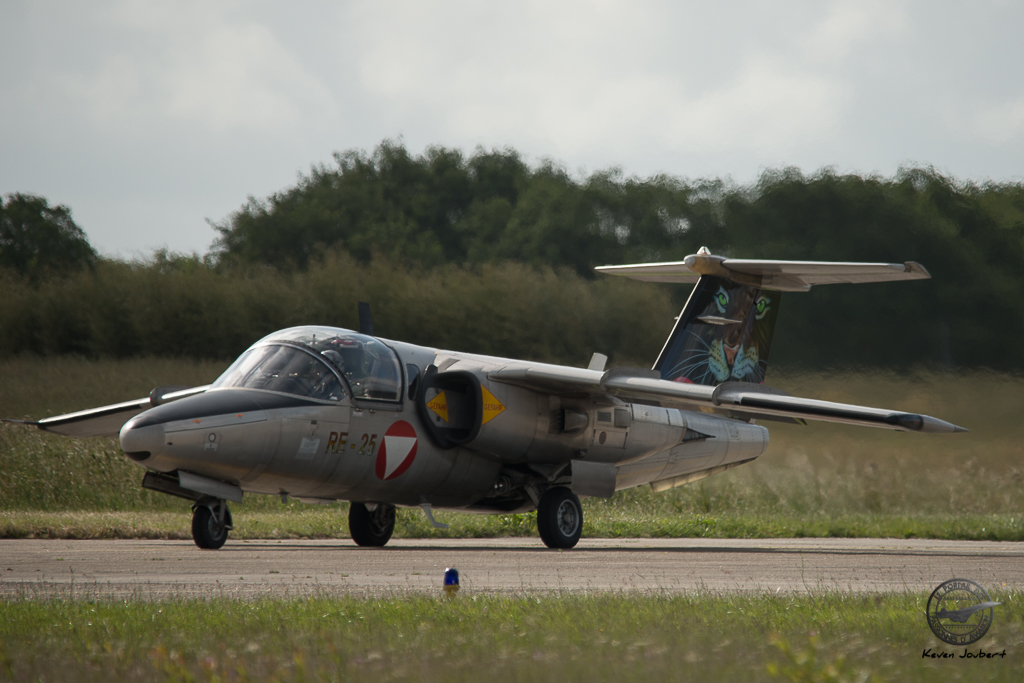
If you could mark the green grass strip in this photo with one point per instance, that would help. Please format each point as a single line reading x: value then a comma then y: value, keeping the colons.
x: 547, y: 637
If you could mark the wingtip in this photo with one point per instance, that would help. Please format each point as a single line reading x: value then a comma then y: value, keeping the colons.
x: 942, y: 427
x: 916, y: 269
x: 933, y: 425
x: 11, y: 420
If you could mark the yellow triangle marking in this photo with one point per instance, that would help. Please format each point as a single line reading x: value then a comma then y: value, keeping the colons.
x: 492, y: 406
x: 439, y: 404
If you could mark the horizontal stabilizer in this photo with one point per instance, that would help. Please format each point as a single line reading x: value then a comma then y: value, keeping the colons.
x: 787, y: 276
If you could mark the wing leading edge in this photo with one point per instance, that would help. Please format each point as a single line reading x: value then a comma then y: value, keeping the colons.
x: 740, y: 398
x: 108, y: 420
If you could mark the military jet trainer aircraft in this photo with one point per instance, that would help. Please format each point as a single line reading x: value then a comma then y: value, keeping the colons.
x: 324, y: 414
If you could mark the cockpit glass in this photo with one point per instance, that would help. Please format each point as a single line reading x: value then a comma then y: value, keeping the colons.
x: 283, y: 368
x: 371, y: 368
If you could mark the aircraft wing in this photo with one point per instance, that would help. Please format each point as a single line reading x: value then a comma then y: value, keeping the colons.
x: 738, y: 398
x: 108, y: 420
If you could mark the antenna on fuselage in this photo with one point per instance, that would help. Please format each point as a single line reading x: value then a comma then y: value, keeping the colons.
x: 365, y: 319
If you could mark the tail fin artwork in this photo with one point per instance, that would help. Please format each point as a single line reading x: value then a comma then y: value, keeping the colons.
x: 724, y: 332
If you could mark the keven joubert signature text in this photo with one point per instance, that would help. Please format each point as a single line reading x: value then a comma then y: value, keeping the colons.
x: 980, y: 654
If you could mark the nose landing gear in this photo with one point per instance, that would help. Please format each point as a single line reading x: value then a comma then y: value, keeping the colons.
x: 371, y: 524
x: 211, y: 521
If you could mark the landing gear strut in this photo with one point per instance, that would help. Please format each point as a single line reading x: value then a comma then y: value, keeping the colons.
x: 211, y: 521
x: 559, y: 518
x: 371, y: 527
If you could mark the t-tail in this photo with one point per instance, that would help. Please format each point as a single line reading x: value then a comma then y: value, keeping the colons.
x: 724, y: 332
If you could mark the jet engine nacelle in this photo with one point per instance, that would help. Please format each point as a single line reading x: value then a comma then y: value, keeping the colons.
x: 511, y: 424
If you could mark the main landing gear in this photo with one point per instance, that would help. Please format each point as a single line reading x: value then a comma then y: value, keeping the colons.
x: 211, y: 521
x: 559, y: 518
x: 371, y: 524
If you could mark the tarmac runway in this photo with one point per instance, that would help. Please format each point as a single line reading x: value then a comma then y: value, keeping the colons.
x: 160, y: 569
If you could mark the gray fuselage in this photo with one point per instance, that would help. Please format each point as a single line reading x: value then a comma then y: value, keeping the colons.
x: 416, y: 426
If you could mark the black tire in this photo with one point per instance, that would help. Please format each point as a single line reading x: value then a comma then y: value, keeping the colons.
x: 371, y: 529
x: 207, y: 532
x: 560, y: 518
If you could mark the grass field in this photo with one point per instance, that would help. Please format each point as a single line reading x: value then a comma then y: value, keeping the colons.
x: 819, y: 480
x: 815, y: 480
x: 550, y: 637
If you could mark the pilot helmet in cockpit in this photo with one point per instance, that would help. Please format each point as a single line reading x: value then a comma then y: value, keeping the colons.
x: 348, y: 356
x: 335, y: 359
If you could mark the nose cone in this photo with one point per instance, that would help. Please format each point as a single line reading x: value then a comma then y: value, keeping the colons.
x: 140, y: 442
x: 144, y: 437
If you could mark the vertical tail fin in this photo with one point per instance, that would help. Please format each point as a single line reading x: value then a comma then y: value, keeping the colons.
x: 724, y: 333
x: 725, y: 330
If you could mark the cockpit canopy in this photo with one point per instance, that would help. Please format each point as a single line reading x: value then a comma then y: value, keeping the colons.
x: 307, y: 361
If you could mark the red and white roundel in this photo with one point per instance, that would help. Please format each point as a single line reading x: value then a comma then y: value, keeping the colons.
x: 397, y: 451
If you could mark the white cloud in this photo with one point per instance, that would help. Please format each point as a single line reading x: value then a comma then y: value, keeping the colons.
x: 196, y: 67
x: 852, y: 23
x: 589, y: 78
x: 769, y: 107
x: 112, y: 91
x: 1000, y: 123
x: 239, y: 75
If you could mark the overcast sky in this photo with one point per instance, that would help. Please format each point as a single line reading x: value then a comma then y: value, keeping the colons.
x: 147, y: 118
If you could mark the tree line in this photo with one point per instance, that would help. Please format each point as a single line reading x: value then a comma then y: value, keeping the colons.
x: 176, y: 305
x: 491, y: 226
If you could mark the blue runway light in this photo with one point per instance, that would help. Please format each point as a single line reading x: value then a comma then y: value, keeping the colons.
x: 451, y: 581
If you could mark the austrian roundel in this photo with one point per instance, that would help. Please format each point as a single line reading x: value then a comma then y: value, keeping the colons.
x: 397, y: 451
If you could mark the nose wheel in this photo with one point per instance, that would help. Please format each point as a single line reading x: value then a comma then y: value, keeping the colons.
x: 368, y: 527
x: 211, y: 521
x: 559, y: 518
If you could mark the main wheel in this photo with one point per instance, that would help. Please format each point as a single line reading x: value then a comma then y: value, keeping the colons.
x: 207, y: 532
x: 559, y: 518
x: 372, y: 529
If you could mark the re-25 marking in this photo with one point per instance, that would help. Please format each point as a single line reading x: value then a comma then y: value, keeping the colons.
x: 338, y: 440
